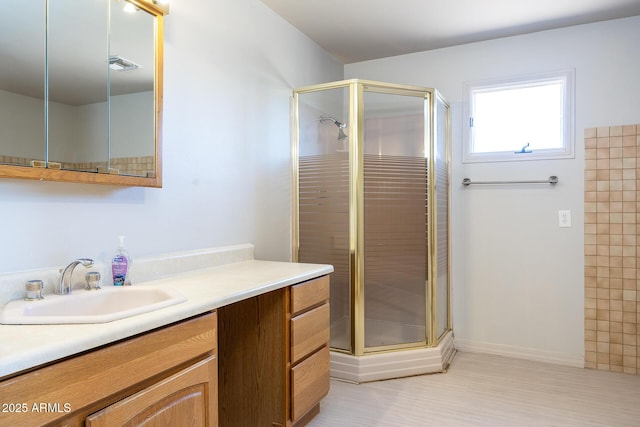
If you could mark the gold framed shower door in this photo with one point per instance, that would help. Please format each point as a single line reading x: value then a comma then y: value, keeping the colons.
x: 356, y: 204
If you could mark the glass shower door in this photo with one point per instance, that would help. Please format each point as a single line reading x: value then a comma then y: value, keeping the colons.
x: 395, y: 220
x: 441, y: 166
x: 323, y: 197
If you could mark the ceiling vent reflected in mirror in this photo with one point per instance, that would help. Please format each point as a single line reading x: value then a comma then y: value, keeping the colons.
x: 161, y: 4
x: 118, y: 63
x: 132, y: 8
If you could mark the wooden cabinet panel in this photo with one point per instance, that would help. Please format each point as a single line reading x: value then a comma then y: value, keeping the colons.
x: 186, y: 398
x: 309, y: 332
x: 308, y: 294
x: 252, y: 365
x: 309, y: 382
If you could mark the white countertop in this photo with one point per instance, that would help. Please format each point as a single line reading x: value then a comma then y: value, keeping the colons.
x: 26, y: 346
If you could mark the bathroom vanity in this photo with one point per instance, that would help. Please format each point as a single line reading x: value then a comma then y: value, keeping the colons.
x: 167, y: 374
x: 249, y: 347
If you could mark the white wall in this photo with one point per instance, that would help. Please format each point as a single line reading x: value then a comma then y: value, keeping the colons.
x: 230, y: 68
x: 518, y: 277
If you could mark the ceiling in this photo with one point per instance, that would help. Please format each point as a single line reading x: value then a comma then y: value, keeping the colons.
x: 360, y: 30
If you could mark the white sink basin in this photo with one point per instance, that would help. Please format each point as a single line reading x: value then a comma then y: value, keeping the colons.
x: 97, y: 306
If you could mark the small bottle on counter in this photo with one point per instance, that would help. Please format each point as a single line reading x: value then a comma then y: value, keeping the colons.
x: 121, y: 266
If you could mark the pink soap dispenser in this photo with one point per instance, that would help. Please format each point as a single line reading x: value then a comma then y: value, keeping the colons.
x: 121, y: 266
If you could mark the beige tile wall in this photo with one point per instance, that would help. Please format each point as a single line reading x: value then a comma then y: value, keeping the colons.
x: 137, y: 166
x: 13, y: 160
x: 612, y: 261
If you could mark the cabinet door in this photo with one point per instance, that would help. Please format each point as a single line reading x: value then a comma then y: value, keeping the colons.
x: 186, y: 398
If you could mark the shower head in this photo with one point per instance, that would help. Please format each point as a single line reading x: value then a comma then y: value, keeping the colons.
x: 331, y: 119
x: 340, y: 125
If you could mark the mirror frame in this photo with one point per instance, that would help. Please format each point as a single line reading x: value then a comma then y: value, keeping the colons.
x: 60, y: 175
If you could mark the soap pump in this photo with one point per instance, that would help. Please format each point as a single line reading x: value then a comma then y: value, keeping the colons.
x: 121, y: 266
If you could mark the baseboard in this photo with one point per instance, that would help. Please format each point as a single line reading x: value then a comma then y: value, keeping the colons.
x: 516, y: 352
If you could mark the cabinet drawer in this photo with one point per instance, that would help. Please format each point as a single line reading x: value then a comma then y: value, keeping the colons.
x: 309, y: 331
x: 309, y: 383
x: 308, y: 294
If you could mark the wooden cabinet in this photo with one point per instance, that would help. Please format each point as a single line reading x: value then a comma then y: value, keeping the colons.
x: 309, y: 360
x: 160, y: 375
x: 274, y: 356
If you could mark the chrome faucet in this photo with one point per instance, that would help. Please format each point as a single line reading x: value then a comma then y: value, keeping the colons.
x: 64, y: 286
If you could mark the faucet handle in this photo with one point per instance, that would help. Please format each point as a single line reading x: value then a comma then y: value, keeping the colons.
x: 93, y: 280
x: 34, y: 290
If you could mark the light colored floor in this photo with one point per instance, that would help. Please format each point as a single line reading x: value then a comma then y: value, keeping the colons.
x: 482, y: 390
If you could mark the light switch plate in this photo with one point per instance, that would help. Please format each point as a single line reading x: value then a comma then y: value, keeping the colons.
x: 564, y: 218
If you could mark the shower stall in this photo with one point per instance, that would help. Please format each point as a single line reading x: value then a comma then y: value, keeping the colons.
x: 371, y: 170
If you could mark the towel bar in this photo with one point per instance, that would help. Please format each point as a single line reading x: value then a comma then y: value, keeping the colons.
x: 552, y: 180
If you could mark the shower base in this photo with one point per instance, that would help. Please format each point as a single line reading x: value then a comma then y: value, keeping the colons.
x: 393, y: 364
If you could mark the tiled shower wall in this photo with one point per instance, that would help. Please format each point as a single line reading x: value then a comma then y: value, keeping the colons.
x: 612, y: 260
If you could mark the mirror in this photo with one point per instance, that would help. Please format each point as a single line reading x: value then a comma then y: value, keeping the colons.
x: 22, y: 82
x: 81, y: 91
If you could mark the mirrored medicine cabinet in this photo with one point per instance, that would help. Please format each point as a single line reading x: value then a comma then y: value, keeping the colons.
x: 81, y: 91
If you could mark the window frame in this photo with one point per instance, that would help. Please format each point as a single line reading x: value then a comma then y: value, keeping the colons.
x: 566, y: 77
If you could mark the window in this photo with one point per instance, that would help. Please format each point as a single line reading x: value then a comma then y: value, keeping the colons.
x: 525, y: 118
